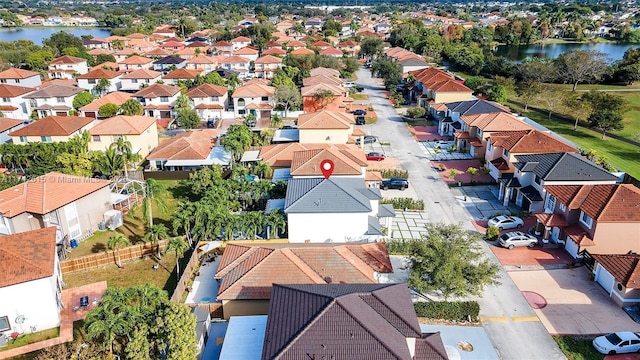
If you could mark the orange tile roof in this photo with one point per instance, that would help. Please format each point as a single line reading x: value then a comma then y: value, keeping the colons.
x: 100, y: 74
x: 324, y: 71
x: 54, y: 126
x: 192, y: 145
x: 624, y: 268
x: 491, y: 122
x: 325, y: 120
x: 314, y: 89
x: 11, y: 91
x: 307, y: 163
x: 222, y: 43
x: 7, y: 123
x: 206, y: 90
x: 183, y: 74
x: 136, y: 60
x: 246, y: 51
x: 253, y: 90
x: 604, y: 203
x: 14, y: 73
x: 235, y: 59
x: 27, y: 256
x: 107, y: 65
x: 202, y: 59
x: 157, y: 52
x: 142, y: 74
x: 331, y: 51
x: 281, y: 155
x: 116, y: 97
x: 322, y: 79
x: 123, y: 125
x: 302, y: 51
x: 249, y: 272
x: 158, y: 90
x: 529, y: 141
x: 240, y: 39
x: 47, y: 193
x: 268, y: 59
x: 449, y: 86
x: 66, y: 59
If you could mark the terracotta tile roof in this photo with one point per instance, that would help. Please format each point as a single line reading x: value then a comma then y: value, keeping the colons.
x: 157, y: 52
x: 142, y: 74
x: 539, y: 142
x: 171, y: 43
x: 240, y: 39
x: 202, y: 106
x: 325, y: 120
x: 183, y: 74
x: 449, y: 86
x: 136, y: 60
x: 254, y: 89
x: 268, y: 59
x: 302, y: 51
x: 27, y: 256
x: 324, y: 71
x: 136, y: 36
x: 116, y: 97
x: 578, y: 235
x: 198, y: 44
x: 47, y: 193
x: 202, y: 59
x: 54, y: 91
x: 222, y: 44
x: 259, y: 106
x: 54, y: 126
x: 250, y: 271
x: 322, y: 79
x: 247, y: 50
x: 373, y: 176
x: 192, y: 145
x: 107, y: 65
x: 66, y: 59
x: 551, y: 220
x: 624, y: 268
x: 500, y: 164
x: 320, y: 44
x: 499, y: 121
x: 603, y: 203
x: 314, y: 89
x: 99, y: 51
x: 281, y: 155
x: 123, y: 125
x: 235, y: 59
x: 428, y: 73
x: 206, y: 90
x: 438, y: 77
x: 100, y: 74
x: 274, y: 51
x: 157, y: 90
x: 7, y: 123
x: 14, y: 73
x: 296, y: 43
x: 307, y: 163
x: 11, y: 91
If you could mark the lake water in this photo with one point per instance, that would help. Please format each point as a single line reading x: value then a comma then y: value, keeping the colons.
x: 552, y: 51
x: 38, y: 34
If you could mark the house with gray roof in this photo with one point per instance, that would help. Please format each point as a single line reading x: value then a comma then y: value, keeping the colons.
x: 452, y: 121
x: 168, y: 62
x: 412, y: 64
x: 338, y: 209
x: 54, y: 100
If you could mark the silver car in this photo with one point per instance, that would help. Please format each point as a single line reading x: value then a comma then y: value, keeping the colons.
x: 517, y: 238
x: 506, y: 222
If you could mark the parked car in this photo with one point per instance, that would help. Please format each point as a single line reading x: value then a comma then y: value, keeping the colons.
x: 211, y: 122
x: 349, y: 83
x: 444, y: 144
x: 375, y: 156
x: 360, y: 112
x: 506, y: 222
x: 368, y: 139
x: 517, y: 238
x: 620, y: 342
x: 360, y: 120
x: 394, y: 183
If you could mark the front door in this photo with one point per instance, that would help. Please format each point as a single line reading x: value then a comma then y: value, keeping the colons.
x: 555, y: 233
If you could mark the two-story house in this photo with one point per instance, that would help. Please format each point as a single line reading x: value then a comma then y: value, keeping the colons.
x: 255, y: 97
x: 239, y: 64
x: 248, y: 52
x: 14, y: 76
x: 136, y: 62
x: 140, y: 131
x: 266, y: 66
x: 450, y: 119
x: 240, y: 42
x: 138, y: 79
x: 52, y: 100
x: 479, y: 127
x: 210, y: 101
x: 169, y: 63
x: 52, y: 129
x: 7, y: 126
x: 91, y: 110
x: 175, y: 76
x: 66, y: 67
x: 331, y: 127
x: 223, y: 48
x: 13, y: 103
x: 203, y: 63
x: 351, y: 47
x: 91, y: 81
x: 158, y: 100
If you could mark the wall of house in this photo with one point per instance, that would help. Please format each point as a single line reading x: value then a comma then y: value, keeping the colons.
x: 247, y: 101
x: 28, y: 82
x: 89, y: 84
x: 324, y: 136
x: 146, y: 141
x: 35, y: 300
x: 626, y: 296
x: 130, y: 85
x: 344, y: 227
x: 90, y: 210
x: 53, y: 101
x: 23, y: 111
x: 446, y: 97
x: 37, y: 139
x: 615, y: 238
x: 23, y: 222
x: 244, y: 307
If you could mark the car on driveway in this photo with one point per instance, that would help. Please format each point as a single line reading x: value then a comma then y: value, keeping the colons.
x: 394, y: 183
x: 444, y: 144
x: 360, y: 120
x: 360, y: 112
x: 506, y: 222
x: 620, y: 342
x: 375, y: 156
x: 517, y: 238
x: 368, y: 139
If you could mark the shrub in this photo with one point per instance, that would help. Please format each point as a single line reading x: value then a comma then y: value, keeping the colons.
x: 416, y: 112
x: 393, y: 173
x: 404, y: 203
x: 398, y: 246
x: 492, y: 233
x: 458, y: 311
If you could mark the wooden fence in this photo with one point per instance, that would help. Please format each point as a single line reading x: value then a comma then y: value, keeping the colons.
x: 137, y: 251
x: 187, y: 274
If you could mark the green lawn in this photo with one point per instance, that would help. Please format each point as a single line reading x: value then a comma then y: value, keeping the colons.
x: 620, y: 154
x: 359, y: 96
x: 631, y: 118
x: 31, y: 338
x: 577, y: 348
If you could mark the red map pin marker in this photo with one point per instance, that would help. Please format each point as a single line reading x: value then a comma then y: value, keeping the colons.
x: 326, y: 166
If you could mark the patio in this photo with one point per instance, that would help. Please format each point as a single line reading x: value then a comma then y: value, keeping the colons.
x: 426, y: 133
x: 461, y: 165
x: 434, y: 152
x: 205, y: 287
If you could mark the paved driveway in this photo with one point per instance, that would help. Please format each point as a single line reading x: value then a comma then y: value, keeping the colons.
x: 574, y: 303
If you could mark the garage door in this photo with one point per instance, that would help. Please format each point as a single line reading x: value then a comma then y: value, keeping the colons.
x: 605, y: 279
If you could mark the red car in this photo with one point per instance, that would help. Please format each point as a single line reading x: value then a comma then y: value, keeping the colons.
x: 375, y: 156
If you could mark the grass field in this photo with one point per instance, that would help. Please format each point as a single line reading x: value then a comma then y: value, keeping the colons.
x: 359, y: 96
x: 577, y: 348
x: 31, y: 338
x: 631, y: 118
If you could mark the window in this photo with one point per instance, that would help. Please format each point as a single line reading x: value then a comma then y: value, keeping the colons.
x: 4, y: 323
x: 479, y: 134
x: 538, y: 180
x: 45, y: 138
x: 59, y: 99
x: 265, y: 98
x: 134, y: 81
x: 23, y: 139
x: 6, y: 100
x: 242, y: 111
x: 17, y: 81
x: 164, y: 99
x: 586, y: 220
x: 550, y: 204
x: 91, y: 81
x: 95, y: 138
x: 214, y: 98
x: 563, y: 207
x: 241, y: 102
x: 3, y: 81
x: 505, y: 152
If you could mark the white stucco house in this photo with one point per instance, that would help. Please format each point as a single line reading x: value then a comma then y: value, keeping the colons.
x: 20, y: 77
x: 31, y: 285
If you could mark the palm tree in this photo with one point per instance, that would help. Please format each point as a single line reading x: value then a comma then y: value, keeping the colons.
x: 155, y: 234
x: 179, y: 246
x: 106, y: 325
x: 182, y: 219
x: 155, y: 196
x: 123, y: 147
x: 233, y: 81
x: 117, y: 44
x: 275, y: 221
x: 102, y: 86
x: 79, y: 144
x: 109, y: 163
x: 132, y: 107
x: 115, y: 243
x: 263, y: 170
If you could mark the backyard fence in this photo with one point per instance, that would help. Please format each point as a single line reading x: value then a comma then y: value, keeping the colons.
x: 137, y: 251
x: 187, y: 274
x: 215, y: 309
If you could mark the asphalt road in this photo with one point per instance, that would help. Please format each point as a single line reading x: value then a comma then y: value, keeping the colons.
x: 510, y: 322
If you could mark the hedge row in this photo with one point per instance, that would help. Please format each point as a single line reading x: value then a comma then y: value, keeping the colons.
x: 404, y: 203
x: 393, y: 173
x: 458, y: 311
x: 398, y: 246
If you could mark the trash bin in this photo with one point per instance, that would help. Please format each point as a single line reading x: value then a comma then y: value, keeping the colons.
x: 73, y: 243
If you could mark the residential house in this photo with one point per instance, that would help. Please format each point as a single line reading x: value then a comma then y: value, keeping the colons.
x: 302, y: 52
x: 203, y: 63
x: 247, y: 273
x: 266, y: 66
x: 13, y: 103
x: 322, y: 79
x: 158, y: 100
x: 412, y: 64
x: 352, y: 48
x: 240, y: 42
x: 169, y: 63
x: 340, y: 101
x: 137, y: 79
x: 533, y: 172
x: 375, y: 321
x: 503, y: 146
x: 186, y: 53
x: 382, y: 28
x: 325, y: 126
x: 172, y: 46
x: 157, y: 53
x: 248, y: 52
x: 8, y: 125
x: 31, y: 285
x: 20, y: 77
x: 73, y: 205
x: 52, y: 100
x: 285, y: 25
x: 275, y: 52
x: 602, y: 219
x: 65, y: 67
x: 123, y: 54
x: 479, y: 127
x: 449, y: 120
x: 224, y: 48
x: 140, y: 131
x: 210, y: 101
x: 136, y: 62
x: 116, y: 98
x: 313, y: 23
x: 52, y: 129
x: 332, y: 52
x: 189, y: 151
x: 89, y: 81
x: 240, y: 64
x: 255, y: 97
x: 321, y: 45
x: 328, y: 72
x: 175, y: 76
x: 618, y: 275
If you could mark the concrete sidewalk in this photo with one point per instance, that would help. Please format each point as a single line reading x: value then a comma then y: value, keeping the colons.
x: 409, y: 225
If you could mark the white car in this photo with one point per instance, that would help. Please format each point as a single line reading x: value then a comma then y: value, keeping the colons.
x: 444, y: 144
x: 620, y: 342
x: 506, y: 222
x: 517, y: 238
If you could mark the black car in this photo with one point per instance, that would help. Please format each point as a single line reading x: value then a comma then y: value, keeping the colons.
x: 360, y: 120
x: 360, y: 112
x: 395, y: 183
x: 367, y: 140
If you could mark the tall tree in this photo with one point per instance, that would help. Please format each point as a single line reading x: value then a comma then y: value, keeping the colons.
x: 131, y: 107
x: 155, y: 195
x: 81, y: 99
x: 288, y: 97
x: 108, y: 110
x: 238, y: 140
x: 577, y: 66
x: 179, y: 246
x: 156, y: 233
x: 527, y: 91
x: 607, y: 111
x: 577, y: 107
x: 123, y: 147
x: 115, y: 242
